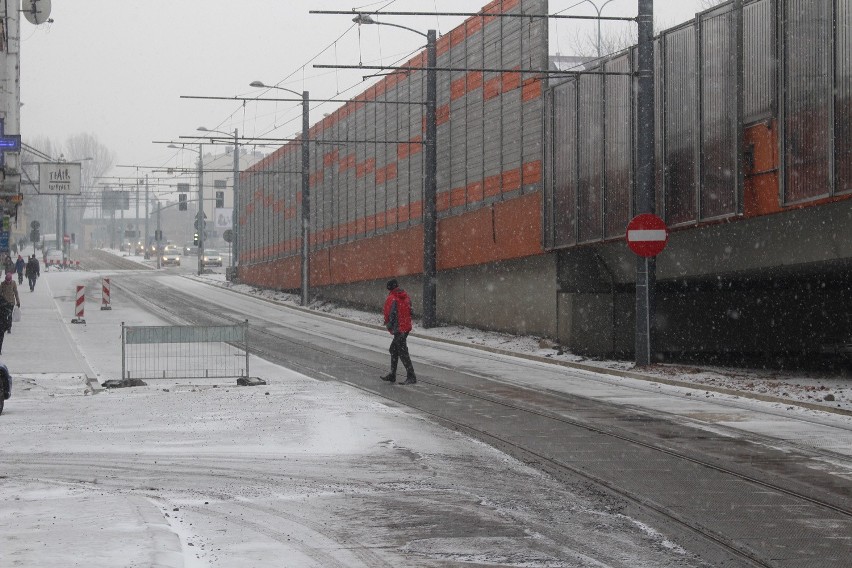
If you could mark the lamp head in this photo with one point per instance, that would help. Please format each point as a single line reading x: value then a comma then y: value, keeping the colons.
x: 363, y: 19
x: 203, y: 129
x: 257, y: 84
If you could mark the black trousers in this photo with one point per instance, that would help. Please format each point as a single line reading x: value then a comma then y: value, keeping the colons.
x: 399, y: 351
x: 32, y: 280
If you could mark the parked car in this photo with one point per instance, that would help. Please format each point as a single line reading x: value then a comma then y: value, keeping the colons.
x: 211, y: 257
x: 171, y: 256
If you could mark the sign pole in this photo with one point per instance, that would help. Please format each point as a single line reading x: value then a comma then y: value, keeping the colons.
x: 645, y: 177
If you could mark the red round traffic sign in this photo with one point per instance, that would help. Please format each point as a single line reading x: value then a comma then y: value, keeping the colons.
x: 647, y: 235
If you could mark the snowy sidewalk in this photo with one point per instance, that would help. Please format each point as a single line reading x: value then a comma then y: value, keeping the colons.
x: 41, y: 341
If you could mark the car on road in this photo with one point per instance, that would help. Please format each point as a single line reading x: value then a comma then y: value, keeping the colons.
x: 211, y: 257
x: 189, y: 249
x: 171, y: 256
x: 53, y: 256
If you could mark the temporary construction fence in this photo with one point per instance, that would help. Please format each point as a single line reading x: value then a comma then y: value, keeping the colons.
x: 184, y: 352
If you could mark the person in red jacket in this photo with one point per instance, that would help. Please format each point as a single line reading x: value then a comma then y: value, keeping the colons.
x: 398, y: 322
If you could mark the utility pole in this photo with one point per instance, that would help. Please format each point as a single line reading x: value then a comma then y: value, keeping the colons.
x: 646, y: 268
x: 306, y: 198
x: 234, y: 211
x: 200, y: 219
x: 147, y: 209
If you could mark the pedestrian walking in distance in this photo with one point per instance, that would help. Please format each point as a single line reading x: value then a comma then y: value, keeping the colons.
x: 33, y: 271
x: 8, y: 300
x: 19, y: 268
x: 398, y: 322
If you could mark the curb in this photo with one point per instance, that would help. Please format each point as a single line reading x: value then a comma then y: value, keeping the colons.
x: 547, y: 360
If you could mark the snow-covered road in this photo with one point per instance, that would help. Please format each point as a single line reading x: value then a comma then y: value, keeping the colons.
x: 297, y: 473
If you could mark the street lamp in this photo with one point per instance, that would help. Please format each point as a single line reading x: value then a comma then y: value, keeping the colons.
x: 306, y: 184
x: 599, y: 11
x: 234, y: 213
x: 430, y: 189
x: 199, y: 220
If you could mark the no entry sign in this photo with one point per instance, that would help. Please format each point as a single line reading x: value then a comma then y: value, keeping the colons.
x: 647, y: 235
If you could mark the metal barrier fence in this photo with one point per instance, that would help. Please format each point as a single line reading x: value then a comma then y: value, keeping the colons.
x: 184, y: 352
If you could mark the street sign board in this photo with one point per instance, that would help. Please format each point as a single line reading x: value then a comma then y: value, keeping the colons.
x: 224, y: 217
x: 228, y: 235
x: 66, y: 239
x: 647, y: 235
x: 59, y: 178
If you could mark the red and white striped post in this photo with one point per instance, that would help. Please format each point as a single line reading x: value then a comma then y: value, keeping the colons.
x: 105, y: 299
x: 79, y: 305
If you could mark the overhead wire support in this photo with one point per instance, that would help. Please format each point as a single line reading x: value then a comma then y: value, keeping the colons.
x: 294, y: 100
x: 472, y: 14
x: 474, y: 69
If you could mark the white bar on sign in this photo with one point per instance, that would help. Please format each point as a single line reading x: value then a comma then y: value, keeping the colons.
x: 640, y: 235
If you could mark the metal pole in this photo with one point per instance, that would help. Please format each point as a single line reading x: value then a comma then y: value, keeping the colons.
x: 65, y: 228
x: 234, y: 214
x: 645, y: 180
x: 159, y: 256
x: 306, y: 198
x: 200, y: 218
x: 123, y: 342
x: 247, y: 349
x: 147, y: 209
x: 430, y: 190
x: 58, y: 221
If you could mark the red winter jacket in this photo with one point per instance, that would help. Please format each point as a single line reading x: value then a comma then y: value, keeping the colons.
x: 398, y: 311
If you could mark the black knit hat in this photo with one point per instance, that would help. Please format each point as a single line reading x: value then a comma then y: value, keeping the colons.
x: 393, y: 284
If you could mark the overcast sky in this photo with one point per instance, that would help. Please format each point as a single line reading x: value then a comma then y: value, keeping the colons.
x: 117, y: 69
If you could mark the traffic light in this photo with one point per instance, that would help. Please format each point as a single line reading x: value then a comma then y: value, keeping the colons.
x: 73, y: 238
x: 195, y: 240
x: 220, y: 199
x: 182, y: 202
x: 35, y: 236
x: 158, y: 235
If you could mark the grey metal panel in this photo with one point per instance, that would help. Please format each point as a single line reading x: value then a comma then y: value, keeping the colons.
x: 843, y: 98
x: 618, y: 182
x: 591, y: 157
x: 493, y: 159
x: 565, y: 165
x: 718, y: 113
x: 759, y: 60
x: 548, y: 169
x: 808, y: 31
x: 137, y: 335
x: 512, y: 129
x: 680, y: 125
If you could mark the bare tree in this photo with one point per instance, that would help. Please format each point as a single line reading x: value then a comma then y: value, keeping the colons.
x: 612, y: 41
x: 96, y: 160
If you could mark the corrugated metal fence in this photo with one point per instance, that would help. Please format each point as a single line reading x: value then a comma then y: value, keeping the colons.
x: 590, y: 122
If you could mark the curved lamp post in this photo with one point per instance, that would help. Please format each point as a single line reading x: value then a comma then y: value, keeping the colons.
x: 236, y: 186
x: 599, y: 11
x: 199, y: 222
x: 430, y: 188
x: 306, y: 185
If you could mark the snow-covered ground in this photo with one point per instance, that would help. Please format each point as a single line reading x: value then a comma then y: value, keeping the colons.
x: 297, y: 473
x: 831, y: 393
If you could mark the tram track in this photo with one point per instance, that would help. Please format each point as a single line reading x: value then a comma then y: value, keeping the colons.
x: 267, y: 343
